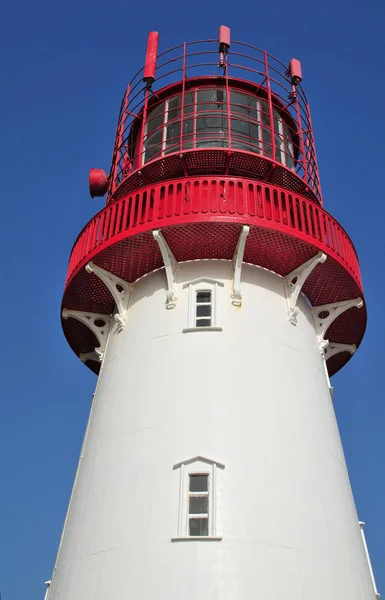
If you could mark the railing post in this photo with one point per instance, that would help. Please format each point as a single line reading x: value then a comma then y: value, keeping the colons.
x: 183, y: 98
x: 301, y: 140
x: 119, y: 140
x: 270, y: 103
x: 317, y: 182
x: 143, y: 129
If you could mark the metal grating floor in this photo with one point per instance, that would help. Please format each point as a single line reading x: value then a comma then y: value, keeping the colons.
x: 136, y: 255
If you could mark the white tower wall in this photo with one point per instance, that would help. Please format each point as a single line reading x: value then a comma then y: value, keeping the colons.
x: 253, y: 400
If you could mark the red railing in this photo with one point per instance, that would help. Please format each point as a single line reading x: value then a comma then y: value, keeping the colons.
x: 243, y: 62
x: 209, y: 199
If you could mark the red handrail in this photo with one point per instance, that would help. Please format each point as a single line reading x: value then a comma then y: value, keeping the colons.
x: 210, y: 199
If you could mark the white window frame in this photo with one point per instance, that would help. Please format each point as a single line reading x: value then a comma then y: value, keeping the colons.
x: 203, y: 284
x: 205, y: 319
x: 199, y: 494
x: 279, y: 139
x: 198, y: 465
x: 165, y: 126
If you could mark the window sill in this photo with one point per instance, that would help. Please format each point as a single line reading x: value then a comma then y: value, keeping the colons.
x: 189, y: 329
x: 199, y: 538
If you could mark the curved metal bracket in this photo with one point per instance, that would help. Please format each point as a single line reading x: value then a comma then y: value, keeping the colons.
x: 93, y: 355
x: 170, y: 265
x: 98, y: 323
x: 333, y: 348
x: 294, y: 281
x: 237, y: 265
x: 325, y: 314
x: 119, y: 289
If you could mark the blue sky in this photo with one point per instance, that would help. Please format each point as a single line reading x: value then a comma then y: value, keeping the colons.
x: 65, y: 66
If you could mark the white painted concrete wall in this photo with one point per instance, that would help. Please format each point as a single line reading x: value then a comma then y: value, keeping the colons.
x: 253, y: 397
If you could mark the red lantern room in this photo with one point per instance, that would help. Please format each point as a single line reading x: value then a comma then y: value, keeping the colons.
x: 214, y: 135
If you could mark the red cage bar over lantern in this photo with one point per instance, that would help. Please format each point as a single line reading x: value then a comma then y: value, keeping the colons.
x: 241, y: 111
x: 213, y: 135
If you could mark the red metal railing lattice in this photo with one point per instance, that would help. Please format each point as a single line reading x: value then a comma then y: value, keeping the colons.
x: 191, y: 64
x: 211, y: 199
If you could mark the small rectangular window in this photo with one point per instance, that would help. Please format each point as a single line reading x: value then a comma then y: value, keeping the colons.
x: 198, y: 506
x: 199, y: 483
x: 199, y: 527
x: 203, y: 309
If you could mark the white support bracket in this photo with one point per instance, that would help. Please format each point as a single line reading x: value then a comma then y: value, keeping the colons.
x: 98, y: 323
x: 119, y: 289
x: 84, y: 356
x: 293, y: 283
x: 48, y: 584
x: 237, y: 265
x: 361, y: 524
x: 325, y: 314
x: 170, y: 265
x: 333, y: 348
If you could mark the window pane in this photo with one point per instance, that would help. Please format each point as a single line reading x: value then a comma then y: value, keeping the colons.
x: 286, y: 133
x: 204, y: 296
x: 153, y: 144
x: 265, y: 112
x: 172, y: 137
x: 211, y: 125
x: 188, y: 128
x: 154, y: 138
x: 212, y: 141
x: 204, y: 310
x: 209, y: 122
x: 244, y: 104
x: 174, y: 108
x: 199, y: 483
x: 211, y: 130
x: 189, y: 102
x: 266, y: 136
x: 155, y: 117
x: 244, y: 145
x: 199, y: 527
x: 210, y: 99
x: 153, y: 152
x: 241, y: 128
x: 278, y: 148
x: 290, y: 162
x: 204, y: 322
x: 199, y: 505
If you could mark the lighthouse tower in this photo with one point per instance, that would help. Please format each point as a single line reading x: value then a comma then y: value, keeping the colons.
x: 214, y: 296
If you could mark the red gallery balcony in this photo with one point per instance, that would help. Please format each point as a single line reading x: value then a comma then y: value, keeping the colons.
x: 201, y: 218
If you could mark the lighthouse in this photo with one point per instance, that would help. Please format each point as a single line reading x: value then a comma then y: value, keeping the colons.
x: 214, y: 297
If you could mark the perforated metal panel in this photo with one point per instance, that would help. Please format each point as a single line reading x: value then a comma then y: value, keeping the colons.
x: 213, y: 161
